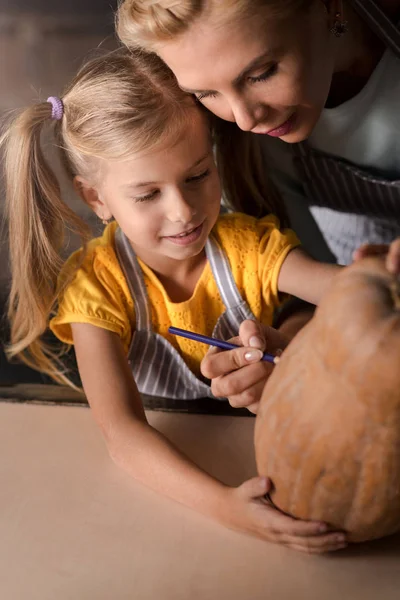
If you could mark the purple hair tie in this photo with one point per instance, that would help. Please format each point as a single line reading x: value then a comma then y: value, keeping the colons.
x: 57, y: 109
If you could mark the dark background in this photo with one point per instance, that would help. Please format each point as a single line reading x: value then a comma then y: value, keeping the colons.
x: 42, y: 44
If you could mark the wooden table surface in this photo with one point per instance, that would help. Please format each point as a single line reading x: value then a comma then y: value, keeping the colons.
x: 75, y: 527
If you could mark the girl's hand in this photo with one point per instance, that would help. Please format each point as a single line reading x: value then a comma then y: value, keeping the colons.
x: 392, y: 253
x: 247, y: 510
x: 239, y: 374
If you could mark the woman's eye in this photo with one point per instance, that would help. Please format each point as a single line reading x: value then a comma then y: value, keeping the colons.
x: 199, y: 177
x: 146, y: 197
x: 266, y: 75
x: 204, y: 95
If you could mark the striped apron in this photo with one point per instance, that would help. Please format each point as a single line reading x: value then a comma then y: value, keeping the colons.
x: 157, y: 367
x: 336, y: 184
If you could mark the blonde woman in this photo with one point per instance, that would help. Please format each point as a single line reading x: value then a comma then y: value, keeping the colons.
x: 316, y: 85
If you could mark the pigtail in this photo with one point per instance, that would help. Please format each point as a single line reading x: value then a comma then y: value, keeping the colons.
x: 37, y: 219
x: 247, y: 187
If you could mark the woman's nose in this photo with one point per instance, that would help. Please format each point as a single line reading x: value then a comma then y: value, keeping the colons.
x: 248, y: 115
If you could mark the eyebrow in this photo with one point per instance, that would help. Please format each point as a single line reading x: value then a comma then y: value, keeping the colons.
x: 139, y: 184
x: 252, y: 65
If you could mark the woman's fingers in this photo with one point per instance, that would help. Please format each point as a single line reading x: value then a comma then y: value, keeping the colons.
x: 393, y: 258
x: 217, y: 363
x: 392, y: 253
x: 251, y: 333
x: 370, y: 250
x: 240, y: 374
x: 242, y: 388
x: 260, y: 336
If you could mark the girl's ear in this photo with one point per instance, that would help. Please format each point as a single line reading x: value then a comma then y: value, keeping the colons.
x: 91, y: 197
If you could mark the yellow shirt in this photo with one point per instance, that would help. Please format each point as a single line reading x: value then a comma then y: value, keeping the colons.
x: 98, y: 293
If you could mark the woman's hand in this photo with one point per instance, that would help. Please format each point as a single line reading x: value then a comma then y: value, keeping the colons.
x: 248, y: 510
x: 392, y: 253
x: 239, y: 374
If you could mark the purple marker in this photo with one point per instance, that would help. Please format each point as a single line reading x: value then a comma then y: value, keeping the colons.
x: 204, y: 339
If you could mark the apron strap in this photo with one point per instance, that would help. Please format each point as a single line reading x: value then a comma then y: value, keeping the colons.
x: 219, y: 264
x: 221, y: 270
x: 134, y: 277
x: 380, y: 23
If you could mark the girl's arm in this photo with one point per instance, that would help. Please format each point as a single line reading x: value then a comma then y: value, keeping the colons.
x: 308, y: 279
x: 304, y: 277
x: 132, y: 443
x: 151, y: 459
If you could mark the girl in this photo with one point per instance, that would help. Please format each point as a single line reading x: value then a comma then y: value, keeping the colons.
x: 321, y: 80
x: 139, y: 151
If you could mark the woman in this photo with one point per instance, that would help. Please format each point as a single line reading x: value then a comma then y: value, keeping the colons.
x: 321, y: 80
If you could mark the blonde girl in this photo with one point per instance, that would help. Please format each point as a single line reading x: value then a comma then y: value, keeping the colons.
x: 139, y: 151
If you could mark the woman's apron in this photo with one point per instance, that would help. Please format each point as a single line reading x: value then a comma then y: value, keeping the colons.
x: 339, y: 185
x: 157, y: 367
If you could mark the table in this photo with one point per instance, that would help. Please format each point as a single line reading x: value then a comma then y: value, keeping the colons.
x: 75, y: 527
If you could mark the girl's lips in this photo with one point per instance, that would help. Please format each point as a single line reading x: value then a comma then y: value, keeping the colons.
x: 186, y: 240
x: 283, y: 129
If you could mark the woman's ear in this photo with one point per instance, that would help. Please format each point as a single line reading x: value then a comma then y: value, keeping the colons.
x: 334, y: 8
x: 91, y: 197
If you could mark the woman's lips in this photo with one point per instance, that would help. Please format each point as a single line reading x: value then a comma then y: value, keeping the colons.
x: 282, y: 130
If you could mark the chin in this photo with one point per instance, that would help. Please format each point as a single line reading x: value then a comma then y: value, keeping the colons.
x: 295, y: 138
x: 300, y: 134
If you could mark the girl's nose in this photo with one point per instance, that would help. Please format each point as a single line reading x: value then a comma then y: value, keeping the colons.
x: 179, y: 210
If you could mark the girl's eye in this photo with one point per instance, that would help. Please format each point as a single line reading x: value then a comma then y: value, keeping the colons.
x: 146, y: 197
x: 199, y: 177
x: 266, y: 75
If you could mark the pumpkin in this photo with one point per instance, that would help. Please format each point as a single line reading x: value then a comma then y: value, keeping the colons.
x: 328, y: 428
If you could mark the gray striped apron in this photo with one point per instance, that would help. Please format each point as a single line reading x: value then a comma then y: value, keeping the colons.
x: 336, y: 184
x: 157, y: 367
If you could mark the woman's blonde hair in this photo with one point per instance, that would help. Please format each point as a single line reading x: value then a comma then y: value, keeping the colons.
x: 118, y: 104
x: 146, y: 23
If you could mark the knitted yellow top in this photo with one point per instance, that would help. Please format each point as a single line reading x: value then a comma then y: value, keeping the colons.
x: 98, y: 293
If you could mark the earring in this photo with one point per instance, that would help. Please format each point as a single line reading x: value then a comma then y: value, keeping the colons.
x: 340, y: 26
x: 105, y: 221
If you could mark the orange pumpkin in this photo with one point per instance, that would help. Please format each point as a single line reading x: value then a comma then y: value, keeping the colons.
x: 328, y: 428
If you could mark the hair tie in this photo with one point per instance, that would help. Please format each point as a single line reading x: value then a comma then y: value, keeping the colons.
x: 57, y: 109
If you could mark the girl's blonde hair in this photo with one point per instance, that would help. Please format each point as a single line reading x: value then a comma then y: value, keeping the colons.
x: 118, y: 104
